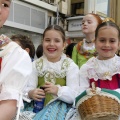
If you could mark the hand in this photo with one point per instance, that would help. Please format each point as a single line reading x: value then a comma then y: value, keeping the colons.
x: 50, y: 88
x: 36, y: 94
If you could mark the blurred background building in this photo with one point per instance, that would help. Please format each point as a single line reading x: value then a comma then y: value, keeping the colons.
x: 31, y: 17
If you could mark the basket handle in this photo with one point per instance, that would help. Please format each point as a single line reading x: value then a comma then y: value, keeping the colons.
x: 93, y: 87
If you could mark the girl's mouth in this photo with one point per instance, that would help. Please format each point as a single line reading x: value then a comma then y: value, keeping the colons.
x: 51, y: 49
x: 106, y: 50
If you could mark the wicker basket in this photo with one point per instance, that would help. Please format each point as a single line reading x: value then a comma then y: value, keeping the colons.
x: 99, y: 108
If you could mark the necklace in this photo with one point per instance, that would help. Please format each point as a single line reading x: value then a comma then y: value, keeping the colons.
x: 88, y: 42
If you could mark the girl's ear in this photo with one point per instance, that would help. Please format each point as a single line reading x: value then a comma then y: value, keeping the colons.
x: 119, y: 44
x: 28, y: 50
x: 64, y: 45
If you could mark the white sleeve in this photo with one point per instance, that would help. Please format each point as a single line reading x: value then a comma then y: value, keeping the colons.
x: 15, y: 72
x: 84, y: 81
x: 16, y: 69
x: 70, y: 91
x: 32, y: 82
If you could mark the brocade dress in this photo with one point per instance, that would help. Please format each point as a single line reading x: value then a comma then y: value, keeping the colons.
x: 64, y: 74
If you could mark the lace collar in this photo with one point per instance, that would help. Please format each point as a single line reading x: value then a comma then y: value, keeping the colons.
x: 51, y: 73
x: 103, y: 69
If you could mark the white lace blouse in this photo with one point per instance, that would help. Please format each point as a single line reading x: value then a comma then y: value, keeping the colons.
x: 98, y: 69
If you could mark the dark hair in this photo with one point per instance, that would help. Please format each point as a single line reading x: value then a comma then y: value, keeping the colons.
x: 69, y: 49
x: 108, y: 23
x: 25, y: 42
x: 39, y: 51
x: 57, y: 28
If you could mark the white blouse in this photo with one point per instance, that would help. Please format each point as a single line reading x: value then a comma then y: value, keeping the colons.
x: 16, y: 68
x: 65, y: 93
x: 98, y: 69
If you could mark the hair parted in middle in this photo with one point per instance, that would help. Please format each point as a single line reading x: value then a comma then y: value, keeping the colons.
x: 108, y: 22
x: 57, y: 28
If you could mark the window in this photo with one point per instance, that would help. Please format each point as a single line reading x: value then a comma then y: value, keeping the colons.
x: 101, y: 7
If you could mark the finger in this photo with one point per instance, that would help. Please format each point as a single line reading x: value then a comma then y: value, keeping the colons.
x: 48, y: 90
x: 40, y: 90
x: 38, y: 99
x: 39, y: 96
x: 41, y: 93
x: 48, y: 83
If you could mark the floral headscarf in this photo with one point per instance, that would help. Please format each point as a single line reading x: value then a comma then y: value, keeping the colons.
x: 4, y: 40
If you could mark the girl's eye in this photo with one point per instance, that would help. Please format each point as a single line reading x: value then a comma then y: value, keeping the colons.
x: 112, y: 41
x: 57, y: 40
x: 47, y: 40
x: 83, y: 23
x: 101, y: 40
x: 5, y: 5
x: 89, y: 22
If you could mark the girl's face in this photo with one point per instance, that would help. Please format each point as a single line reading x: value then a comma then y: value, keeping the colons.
x: 4, y: 11
x: 107, y: 42
x: 89, y: 24
x: 53, y: 45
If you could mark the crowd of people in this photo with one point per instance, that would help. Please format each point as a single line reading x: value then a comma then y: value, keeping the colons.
x: 55, y: 78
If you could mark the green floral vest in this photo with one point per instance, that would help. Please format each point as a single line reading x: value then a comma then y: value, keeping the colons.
x: 51, y: 75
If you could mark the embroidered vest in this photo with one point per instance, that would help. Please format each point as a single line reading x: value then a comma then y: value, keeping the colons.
x: 51, y: 76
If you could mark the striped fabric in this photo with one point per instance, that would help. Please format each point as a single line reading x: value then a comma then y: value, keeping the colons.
x: 56, y: 110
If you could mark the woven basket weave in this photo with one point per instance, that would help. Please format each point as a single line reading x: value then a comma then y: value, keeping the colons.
x: 99, y: 108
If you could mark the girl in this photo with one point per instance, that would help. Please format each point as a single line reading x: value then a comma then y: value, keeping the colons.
x: 15, y: 70
x: 104, y: 69
x: 85, y: 49
x: 101, y: 69
x: 54, y: 72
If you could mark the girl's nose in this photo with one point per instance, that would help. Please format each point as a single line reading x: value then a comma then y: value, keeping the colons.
x: 51, y: 42
x: 107, y: 43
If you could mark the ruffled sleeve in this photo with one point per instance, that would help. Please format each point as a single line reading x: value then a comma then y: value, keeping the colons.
x: 15, y: 72
x: 32, y: 82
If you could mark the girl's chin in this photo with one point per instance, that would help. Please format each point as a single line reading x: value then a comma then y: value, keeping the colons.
x: 105, y: 57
